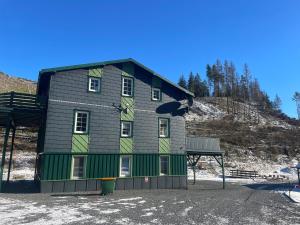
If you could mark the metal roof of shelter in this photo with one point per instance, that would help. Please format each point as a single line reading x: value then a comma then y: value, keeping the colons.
x: 203, y: 146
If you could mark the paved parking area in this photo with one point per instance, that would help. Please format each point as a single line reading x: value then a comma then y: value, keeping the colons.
x: 203, y: 203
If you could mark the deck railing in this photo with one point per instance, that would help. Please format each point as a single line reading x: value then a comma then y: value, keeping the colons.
x: 21, y: 100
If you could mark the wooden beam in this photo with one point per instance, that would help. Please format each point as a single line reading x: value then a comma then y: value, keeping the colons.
x: 11, y: 152
x: 6, y: 136
x: 223, y: 171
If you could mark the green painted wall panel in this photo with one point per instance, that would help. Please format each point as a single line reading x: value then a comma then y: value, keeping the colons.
x: 145, y: 165
x: 178, y: 164
x: 56, y: 167
x: 164, y: 145
x: 105, y: 165
x: 126, y: 145
x: 97, y: 72
x: 80, y: 143
x: 127, y: 103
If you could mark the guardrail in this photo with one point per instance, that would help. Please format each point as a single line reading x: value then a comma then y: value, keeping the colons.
x: 21, y: 100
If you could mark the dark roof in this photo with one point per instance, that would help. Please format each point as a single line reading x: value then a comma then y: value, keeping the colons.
x: 89, y: 65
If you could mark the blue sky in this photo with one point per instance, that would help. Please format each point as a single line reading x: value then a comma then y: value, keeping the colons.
x: 170, y: 37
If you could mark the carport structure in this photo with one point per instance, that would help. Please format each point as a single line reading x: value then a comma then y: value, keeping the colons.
x: 203, y: 146
x: 18, y: 110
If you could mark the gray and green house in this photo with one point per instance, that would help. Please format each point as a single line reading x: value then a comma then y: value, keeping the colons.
x: 111, y: 119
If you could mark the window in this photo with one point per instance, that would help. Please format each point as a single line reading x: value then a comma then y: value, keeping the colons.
x: 81, y: 122
x: 78, y: 167
x: 127, y: 86
x: 126, y: 129
x: 125, y: 166
x: 163, y: 127
x: 164, y: 165
x: 94, y: 84
x: 156, y: 94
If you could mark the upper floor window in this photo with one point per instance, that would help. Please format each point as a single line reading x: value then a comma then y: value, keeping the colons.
x: 126, y: 129
x: 164, y: 127
x: 81, y: 122
x: 94, y: 84
x: 127, y: 86
x: 156, y: 94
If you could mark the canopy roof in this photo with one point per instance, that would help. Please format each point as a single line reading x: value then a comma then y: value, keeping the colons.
x: 203, y: 146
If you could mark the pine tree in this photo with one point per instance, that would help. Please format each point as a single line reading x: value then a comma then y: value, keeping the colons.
x: 191, y: 82
x: 197, y: 86
x: 209, y: 77
x: 277, y: 103
x: 182, y: 82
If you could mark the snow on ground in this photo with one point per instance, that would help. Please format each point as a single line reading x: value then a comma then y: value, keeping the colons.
x: 22, y: 166
x: 294, y: 194
x: 204, y: 111
x: 271, y: 170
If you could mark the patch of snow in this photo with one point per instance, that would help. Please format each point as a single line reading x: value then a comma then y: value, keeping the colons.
x: 294, y: 194
x: 109, y: 211
x: 147, y: 214
x: 186, y: 210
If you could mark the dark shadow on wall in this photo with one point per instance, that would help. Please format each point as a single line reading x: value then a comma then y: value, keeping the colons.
x: 172, y: 108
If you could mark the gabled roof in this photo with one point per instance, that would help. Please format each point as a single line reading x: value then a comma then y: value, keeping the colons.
x: 112, y: 62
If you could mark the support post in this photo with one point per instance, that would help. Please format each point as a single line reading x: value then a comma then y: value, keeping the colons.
x: 11, y: 153
x: 194, y: 170
x: 6, y: 136
x: 223, y: 171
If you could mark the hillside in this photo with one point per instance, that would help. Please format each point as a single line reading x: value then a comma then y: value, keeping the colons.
x: 250, y: 138
x: 11, y: 83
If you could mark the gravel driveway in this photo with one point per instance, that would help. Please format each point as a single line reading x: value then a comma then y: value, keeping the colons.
x: 203, y: 203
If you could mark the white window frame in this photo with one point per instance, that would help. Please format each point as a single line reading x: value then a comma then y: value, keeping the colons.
x: 84, y: 167
x: 168, y: 169
x: 123, y: 80
x: 90, y: 84
x: 159, y: 95
x: 87, y: 122
x: 122, y: 126
x: 130, y: 166
x: 168, y: 127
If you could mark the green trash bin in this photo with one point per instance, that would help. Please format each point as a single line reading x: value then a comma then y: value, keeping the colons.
x: 107, y: 185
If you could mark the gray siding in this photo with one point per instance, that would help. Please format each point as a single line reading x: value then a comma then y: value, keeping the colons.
x: 71, y: 86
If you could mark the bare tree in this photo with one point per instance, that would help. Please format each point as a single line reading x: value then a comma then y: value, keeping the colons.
x: 296, y: 98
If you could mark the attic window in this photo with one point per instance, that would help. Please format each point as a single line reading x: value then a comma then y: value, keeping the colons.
x: 94, y: 84
x: 156, y: 94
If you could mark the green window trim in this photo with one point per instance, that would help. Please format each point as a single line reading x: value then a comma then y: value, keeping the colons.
x: 84, y: 167
x: 129, y: 156
x: 169, y: 166
x: 89, y: 83
x: 164, y: 118
x: 152, y: 94
x: 75, y: 121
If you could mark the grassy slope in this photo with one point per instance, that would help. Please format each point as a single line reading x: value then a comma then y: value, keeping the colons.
x: 10, y: 83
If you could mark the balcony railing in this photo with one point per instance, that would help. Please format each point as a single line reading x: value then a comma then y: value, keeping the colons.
x: 21, y: 100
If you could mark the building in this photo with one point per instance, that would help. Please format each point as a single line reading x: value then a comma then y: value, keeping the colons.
x: 108, y: 119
